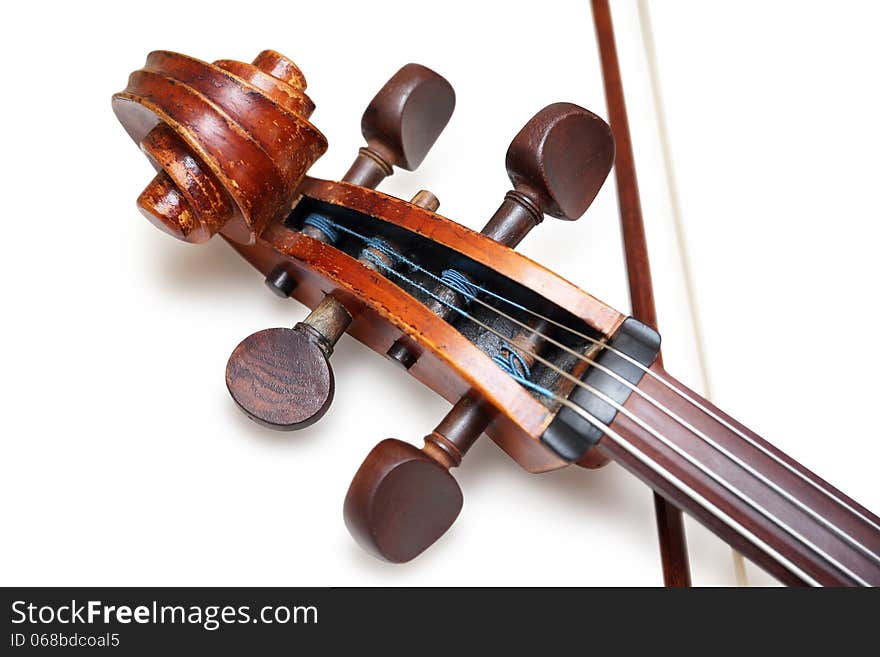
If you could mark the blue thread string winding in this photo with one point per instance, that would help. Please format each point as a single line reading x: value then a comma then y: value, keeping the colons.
x: 455, y: 280
x: 514, y: 364
x: 519, y: 370
x: 324, y: 224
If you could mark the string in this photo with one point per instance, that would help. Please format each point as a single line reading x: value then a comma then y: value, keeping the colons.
x: 455, y: 280
x: 399, y: 258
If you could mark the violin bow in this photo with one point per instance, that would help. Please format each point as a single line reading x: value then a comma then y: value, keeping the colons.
x: 670, y: 524
x: 670, y: 528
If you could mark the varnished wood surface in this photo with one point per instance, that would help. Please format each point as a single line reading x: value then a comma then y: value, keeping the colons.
x: 233, y: 142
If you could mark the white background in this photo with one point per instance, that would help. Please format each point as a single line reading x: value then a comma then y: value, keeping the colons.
x: 125, y: 462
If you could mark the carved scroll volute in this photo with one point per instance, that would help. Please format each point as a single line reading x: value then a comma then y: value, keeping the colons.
x: 231, y: 141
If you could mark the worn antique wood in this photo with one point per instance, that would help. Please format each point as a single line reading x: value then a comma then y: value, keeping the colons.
x: 231, y: 154
x: 547, y: 371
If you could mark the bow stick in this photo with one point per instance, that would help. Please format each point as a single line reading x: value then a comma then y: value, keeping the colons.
x: 670, y: 526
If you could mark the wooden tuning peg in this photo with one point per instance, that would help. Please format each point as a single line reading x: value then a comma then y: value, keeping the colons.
x: 281, y: 377
x: 557, y: 164
x: 401, y: 124
x: 403, y: 499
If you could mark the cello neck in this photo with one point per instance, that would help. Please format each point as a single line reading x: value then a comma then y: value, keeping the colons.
x: 779, y: 514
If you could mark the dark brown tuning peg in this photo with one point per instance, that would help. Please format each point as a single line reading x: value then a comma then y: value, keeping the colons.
x: 402, y: 123
x: 557, y: 164
x: 403, y: 499
x: 281, y: 377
